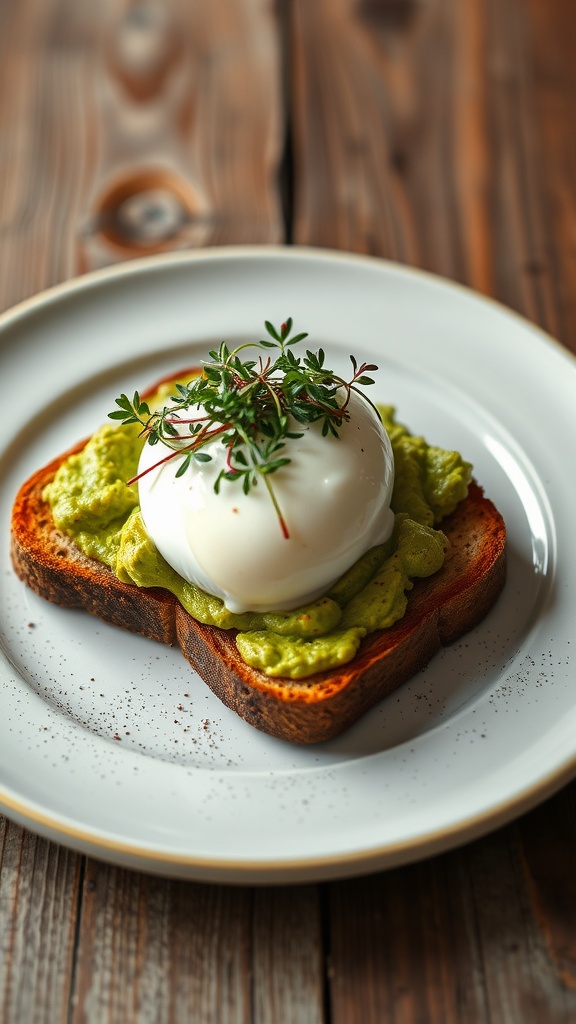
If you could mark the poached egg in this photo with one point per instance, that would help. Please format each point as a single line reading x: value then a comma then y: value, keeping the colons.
x: 334, y: 495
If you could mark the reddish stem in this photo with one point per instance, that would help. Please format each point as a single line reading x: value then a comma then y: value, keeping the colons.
x: 160, y: 462
x: 197, y: 443
x: 229, y: 465
x: 178, y: 419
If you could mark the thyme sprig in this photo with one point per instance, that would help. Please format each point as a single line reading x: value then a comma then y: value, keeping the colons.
x: 252, y: 407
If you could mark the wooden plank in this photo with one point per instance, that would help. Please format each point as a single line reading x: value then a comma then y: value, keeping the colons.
x: 348, y: 117
x: 26, y: 196
x: 552, y: 40
x: 415, y: 138
x: 188, y: 129
x: 38, y: 901
x: 154, y: 951
x: 288, y: 957
x: 547, y: 856
x: 134, y: 127
x: 523, y: 981
x: 460, y: 938
x: 518, y: 211
x: 403, y: 948
x: 372, y: 108
x: 149, y: 949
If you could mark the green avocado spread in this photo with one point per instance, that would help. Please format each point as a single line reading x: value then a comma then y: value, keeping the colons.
x: 92, y: 502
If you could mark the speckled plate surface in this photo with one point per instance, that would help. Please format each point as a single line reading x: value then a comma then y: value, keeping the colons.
x: 111, y: 745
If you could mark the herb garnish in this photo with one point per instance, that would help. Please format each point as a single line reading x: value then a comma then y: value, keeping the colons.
x: 251, y: 406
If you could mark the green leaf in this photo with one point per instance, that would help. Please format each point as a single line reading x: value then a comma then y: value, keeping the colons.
x: 297, y: 338
x: 183, y: 465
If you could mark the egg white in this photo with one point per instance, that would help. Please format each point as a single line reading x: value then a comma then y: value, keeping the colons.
x: 334, y: 495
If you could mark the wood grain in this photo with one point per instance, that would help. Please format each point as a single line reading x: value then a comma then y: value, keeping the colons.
x: 107, y: 94
x: 519, y: 217
x: 546, y: 848
x: 156, y: 951
x: 435, y: 133
x: 39, y: 884
x: 288, y: 956
x: 404, y: 947
x: 151, y: 950
x: 415, y: 138
x: 552, y: 41
x: 484, y: 934
x: 189, y: 93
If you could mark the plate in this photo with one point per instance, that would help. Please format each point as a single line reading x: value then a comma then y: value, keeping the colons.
x: 109, y: 744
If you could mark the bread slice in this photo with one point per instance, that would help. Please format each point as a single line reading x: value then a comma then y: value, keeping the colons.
x: 440, y: 609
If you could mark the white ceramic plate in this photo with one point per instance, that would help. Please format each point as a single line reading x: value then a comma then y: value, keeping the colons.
x: 111, y: 745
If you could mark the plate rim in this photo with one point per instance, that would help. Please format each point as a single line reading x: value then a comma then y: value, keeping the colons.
x: 140, y: 264
x: 290, y: 870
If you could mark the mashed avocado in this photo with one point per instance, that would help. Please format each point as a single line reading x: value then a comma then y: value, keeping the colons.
x: 92, y: 502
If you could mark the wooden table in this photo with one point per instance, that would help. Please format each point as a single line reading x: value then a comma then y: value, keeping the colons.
x: 440, y: 133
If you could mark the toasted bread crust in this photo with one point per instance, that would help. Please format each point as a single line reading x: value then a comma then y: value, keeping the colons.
x: 440, y: 609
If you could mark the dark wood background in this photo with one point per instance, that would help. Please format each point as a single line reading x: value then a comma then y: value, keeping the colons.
x: 440, y: 133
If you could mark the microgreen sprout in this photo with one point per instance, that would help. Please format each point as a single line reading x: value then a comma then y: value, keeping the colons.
x: 251, y: 406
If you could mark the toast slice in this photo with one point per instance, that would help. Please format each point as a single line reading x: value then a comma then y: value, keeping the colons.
x: 440, y: 609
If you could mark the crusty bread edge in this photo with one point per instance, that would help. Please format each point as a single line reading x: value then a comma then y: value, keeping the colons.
x: 440, y: 610
x: 54, y: 567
